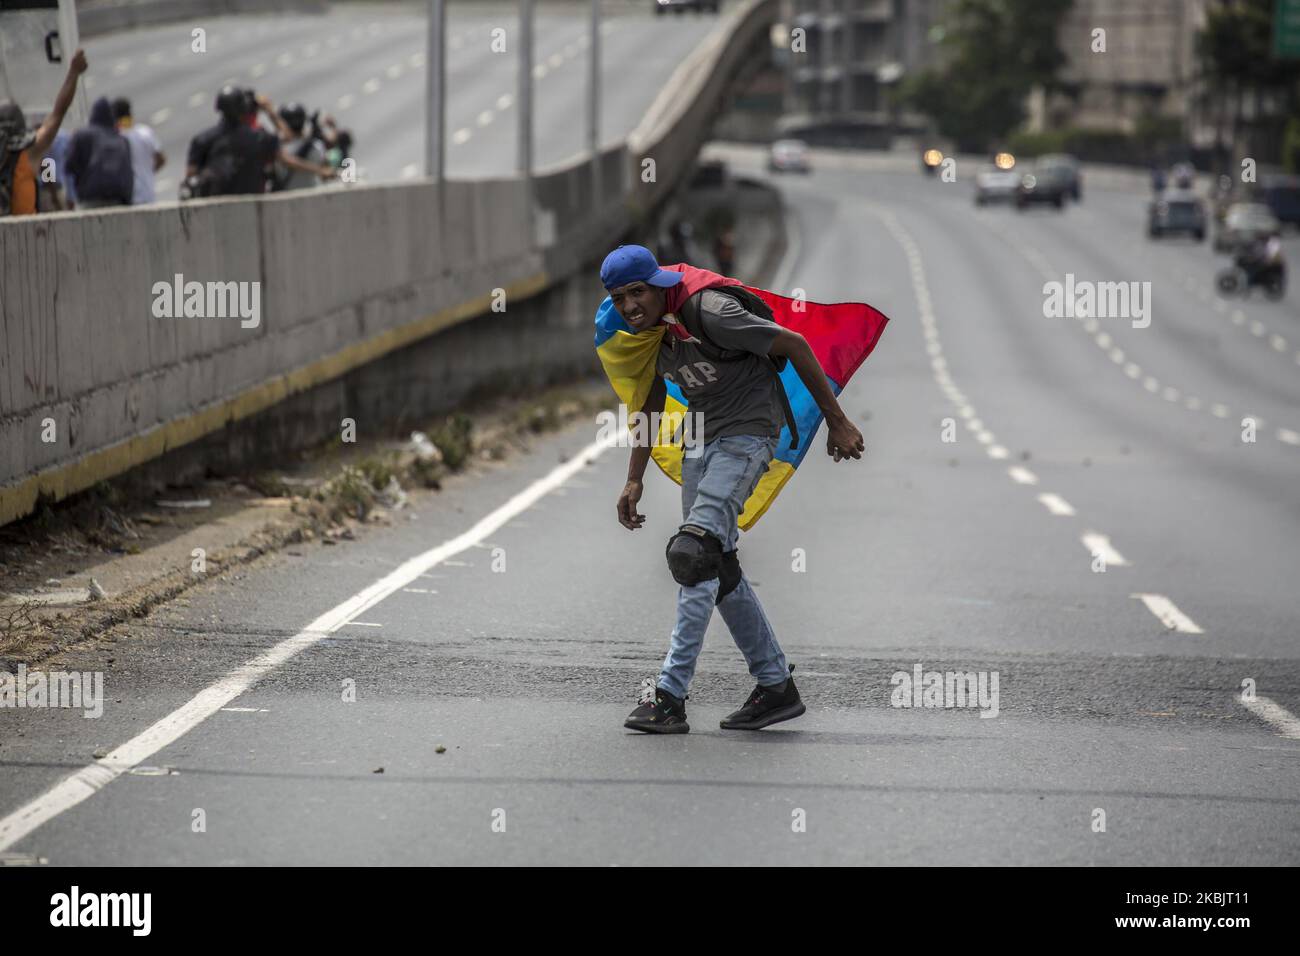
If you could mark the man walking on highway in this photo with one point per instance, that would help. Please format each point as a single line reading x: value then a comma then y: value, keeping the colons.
x: 722, y: 352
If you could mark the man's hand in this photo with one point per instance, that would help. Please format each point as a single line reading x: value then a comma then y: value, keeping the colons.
x: 78, y: 65
x: 627, y: 515
x: 843, y: 440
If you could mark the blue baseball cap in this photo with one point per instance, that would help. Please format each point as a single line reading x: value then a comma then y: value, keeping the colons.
x: 635, y: 264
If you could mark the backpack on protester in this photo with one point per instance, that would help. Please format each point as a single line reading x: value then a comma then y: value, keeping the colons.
x: 690, y: 318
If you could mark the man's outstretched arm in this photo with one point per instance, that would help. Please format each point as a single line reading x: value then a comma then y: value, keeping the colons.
x: 627, y: 513
x: 843, y: 439
x: 49, y: 129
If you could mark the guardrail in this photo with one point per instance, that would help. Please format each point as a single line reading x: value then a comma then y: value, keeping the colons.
x: 98, y: 374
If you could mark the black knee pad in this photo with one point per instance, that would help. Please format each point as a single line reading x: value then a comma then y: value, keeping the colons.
x: 694, y: 555
x: 728, y: 574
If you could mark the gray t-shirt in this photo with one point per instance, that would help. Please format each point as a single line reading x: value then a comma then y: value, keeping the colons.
x: 734, y: 397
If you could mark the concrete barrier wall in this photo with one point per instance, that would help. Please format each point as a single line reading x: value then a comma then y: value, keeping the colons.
x: 345, y: 276
x: 108, y: 16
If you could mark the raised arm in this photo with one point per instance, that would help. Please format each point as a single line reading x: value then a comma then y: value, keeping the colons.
x: 50, y: 127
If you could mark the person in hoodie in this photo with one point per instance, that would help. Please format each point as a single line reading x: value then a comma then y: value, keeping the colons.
x: 723, y: 351
x: 99, y: 159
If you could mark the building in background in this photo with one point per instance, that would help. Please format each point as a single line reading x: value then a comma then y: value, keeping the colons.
x: 1148, y: 69
x: 838, y: 89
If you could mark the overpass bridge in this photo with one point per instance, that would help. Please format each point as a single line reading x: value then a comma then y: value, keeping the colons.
x: 372, y: 299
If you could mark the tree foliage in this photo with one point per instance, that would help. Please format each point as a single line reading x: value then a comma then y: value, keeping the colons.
x: 995, y: 52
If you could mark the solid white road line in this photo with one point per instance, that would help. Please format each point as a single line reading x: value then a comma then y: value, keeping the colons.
x: 1056, y: 505
x: 1099, y: 546
x: 90, y: 779
x: 1285, y: 722
x: 1168, y: 614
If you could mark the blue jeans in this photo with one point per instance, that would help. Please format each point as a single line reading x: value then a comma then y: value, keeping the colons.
x: 715, y: 485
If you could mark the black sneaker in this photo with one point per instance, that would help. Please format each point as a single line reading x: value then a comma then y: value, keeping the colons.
x: 660, y: 712
x: 767, y: 705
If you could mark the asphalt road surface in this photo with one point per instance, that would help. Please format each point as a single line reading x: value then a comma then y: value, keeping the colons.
x: 364, y: 65
x: 511, y: 621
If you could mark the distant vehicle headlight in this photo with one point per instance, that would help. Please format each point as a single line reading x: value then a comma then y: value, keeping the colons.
x: 932, y: 157
x: 1004, y: 161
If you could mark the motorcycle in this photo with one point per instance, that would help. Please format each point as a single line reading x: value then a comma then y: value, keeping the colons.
x: 1245, y: 274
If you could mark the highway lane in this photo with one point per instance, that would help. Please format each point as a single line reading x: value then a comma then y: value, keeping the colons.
x: 521, y: 653
x: 365, y: 65
x: 1178, y: 483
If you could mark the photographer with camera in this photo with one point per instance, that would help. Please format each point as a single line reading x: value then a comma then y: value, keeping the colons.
x: 302, y: 160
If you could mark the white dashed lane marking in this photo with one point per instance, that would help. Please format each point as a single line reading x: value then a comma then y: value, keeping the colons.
x: 1168, y: 614
x: 1056, y: 505
x: 1282, y: 720
x: 1099, y: 546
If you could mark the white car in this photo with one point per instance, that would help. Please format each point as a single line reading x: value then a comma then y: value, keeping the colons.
x: 996, y: 185
x: 789, y: 155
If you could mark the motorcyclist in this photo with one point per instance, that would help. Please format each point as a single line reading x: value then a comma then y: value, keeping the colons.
x: 1262, y: 259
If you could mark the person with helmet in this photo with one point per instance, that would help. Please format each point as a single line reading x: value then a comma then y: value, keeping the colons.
x: 301, y: 163
x: 21, y: 148
x: 230, y: 158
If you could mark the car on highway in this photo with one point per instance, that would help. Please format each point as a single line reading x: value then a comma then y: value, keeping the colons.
x: 1282, y: 195
x: 996, y: 185
x: 681, y: 6
x: 1244, y: 223
x: 930, y: 160
x: 789, y: 155
x: 1044, y: 183
x: 1176, y: 211
x: 1065, y: 167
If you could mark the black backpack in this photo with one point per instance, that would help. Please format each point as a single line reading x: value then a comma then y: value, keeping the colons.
x: 690, y: 318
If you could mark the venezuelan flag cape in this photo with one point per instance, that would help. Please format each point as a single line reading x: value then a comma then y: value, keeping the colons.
x: 841, y: 335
